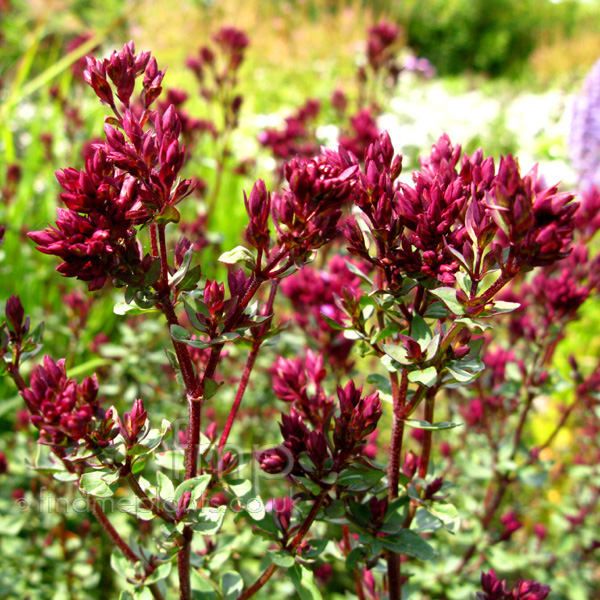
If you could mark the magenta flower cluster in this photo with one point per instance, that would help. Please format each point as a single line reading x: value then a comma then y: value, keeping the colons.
x: 128, y: 181
x: 63, y: 410
x: 495, y: 589
x: 450, y: 216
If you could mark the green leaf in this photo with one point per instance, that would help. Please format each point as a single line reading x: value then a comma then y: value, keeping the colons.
x: 251, y: 502
x: 181, y: 334
x: 418, y: 424
x: 383, y: 383
x: 161, y: 572
x: 426, y: 377
x: 281, y: 558
x: 501, y: 307
x: 304, y: 582
x: 152, y: 441
x: 411, y: 543
x: 208, y: 521
x: 238, y: 254
x: 179, y: 275
x: 398, y: 353
x: 211, y: 387
x: 232, y: 584
x: 356, y: 271
x: 165, y: 487
x: 447, y: 513
x: 386, y: 332
x: 465, y: 371
x: 196, y: 485
x: 474, y: 325
x: 333, y: 324
x: 355, y: 556
x: 93, y: 484
x: 170, y: 460
x: 134, y: 507
x: 190, y: 280
x: 448, y: 296
x: 37, y: 334
x: 121, y: 565
x: 432, y: 347
x: 316, y: 548
x: 420, y: 332
x: 122, y: 308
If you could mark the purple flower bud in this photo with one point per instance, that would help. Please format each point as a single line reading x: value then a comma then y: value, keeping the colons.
x: 3, y: 464
x: 214, y: 296
x: 411, y: 462
x: 258, y: 207
x: 281, y: 509
x: 276, y: 460
x: 358, y: 417
x: 15, y: 314
x: 183, y: 505
x: 133, y: 422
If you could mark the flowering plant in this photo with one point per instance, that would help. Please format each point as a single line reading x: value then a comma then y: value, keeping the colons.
x: 412, y: 278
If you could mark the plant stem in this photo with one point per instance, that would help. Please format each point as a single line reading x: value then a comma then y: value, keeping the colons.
x: 304, y: 529
x: 147, y: 503
x: 240, y: 393
x: 118, y: 541
x: 248, y: 368
x: 164, y: 265
x: 427, y: 433
x: 355, y: 572
x: 267, y: 574
x: 15, y: 375
x: 399, y: 392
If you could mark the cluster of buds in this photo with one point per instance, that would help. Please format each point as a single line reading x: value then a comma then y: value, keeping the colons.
x: 496, y: 589
x: 95, y: 236
x: 356, y: 420
x: 133, y: 426
x: 258, y: 207
x: 510, y: 523
x: 449, y: 217
x: 315, y: 295
x: 307, y: 213
x: 553, y: 297
x: 64, y: 411
x: 297, y: 137
x: 538, y: 223
x: 17, y: 342
x: 361, y: 132
x: 381, y: 46
x: 123, y: 68
x: 129, y: 180
x: 299, y: 381
x: 11, y: 182
x: 281, y: 510
x: 587, y: 218
x: 217, y: 72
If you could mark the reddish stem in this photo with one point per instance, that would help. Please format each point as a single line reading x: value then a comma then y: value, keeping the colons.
x: 118, y: 541
x: 304, y: 529
x: 248, y: 368
x: 240, y: 393
x: 394, y: 455
x: 355, y: 572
